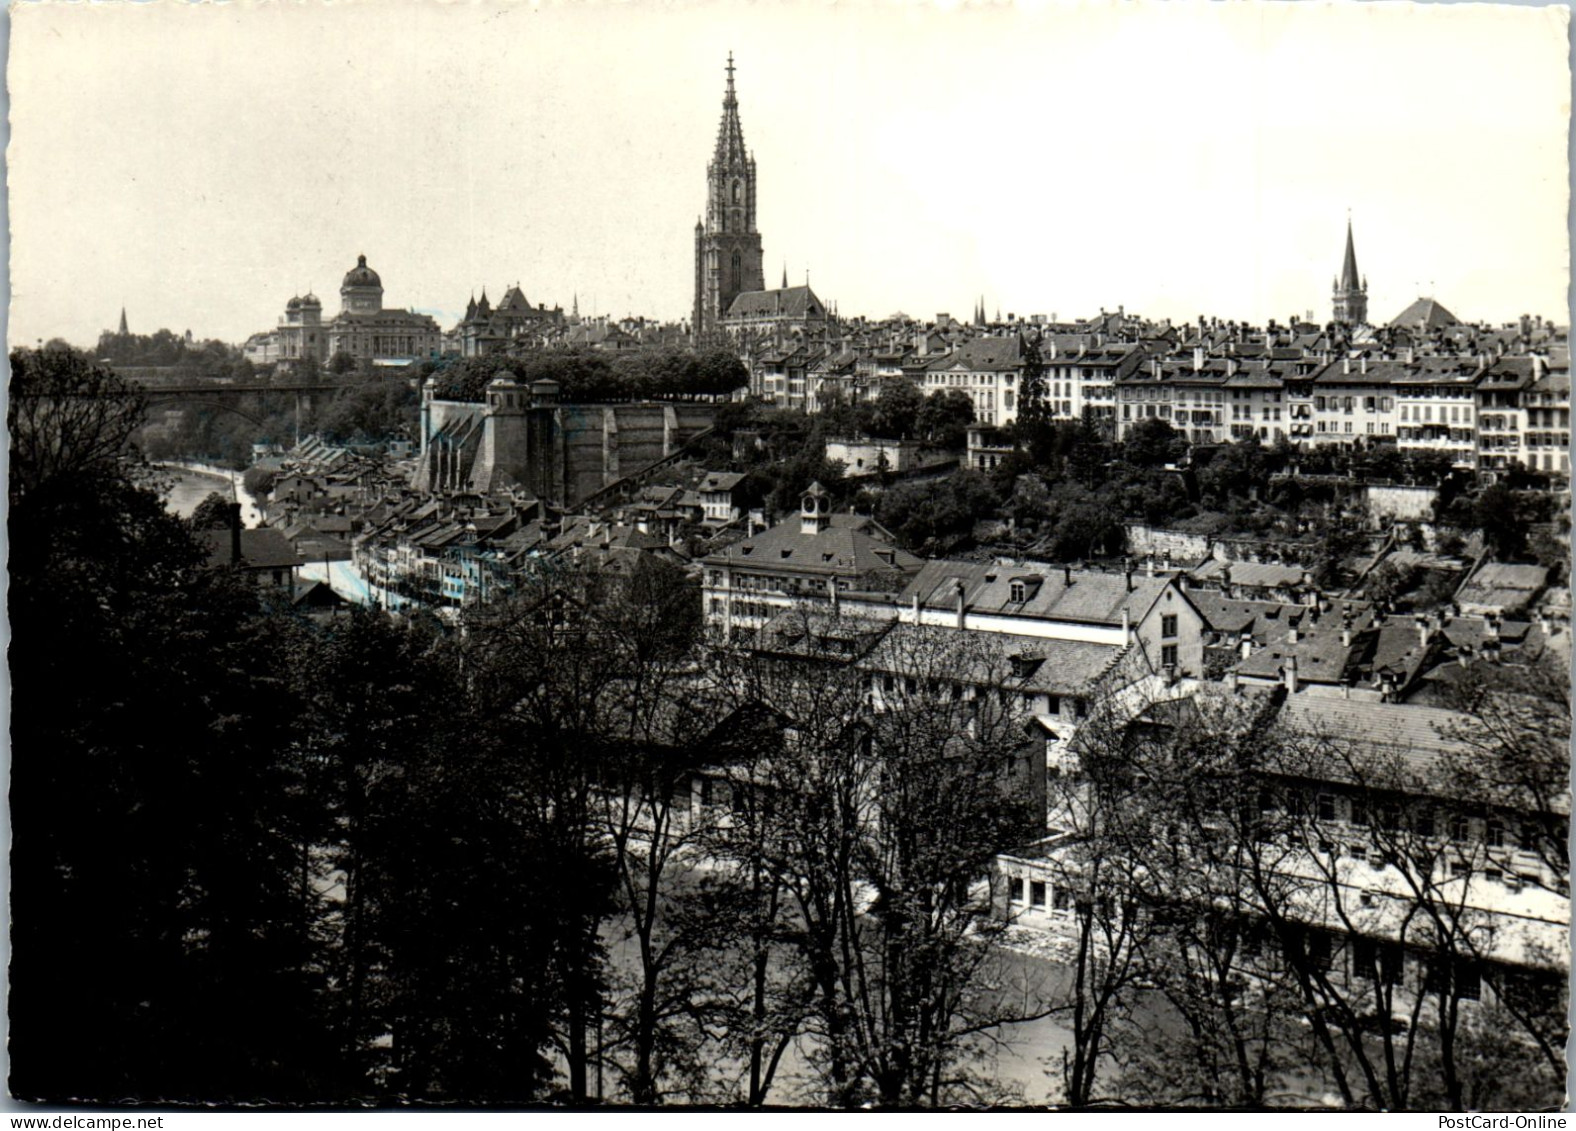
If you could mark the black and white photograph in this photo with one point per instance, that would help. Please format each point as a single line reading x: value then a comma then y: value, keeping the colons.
x: 757, y: 557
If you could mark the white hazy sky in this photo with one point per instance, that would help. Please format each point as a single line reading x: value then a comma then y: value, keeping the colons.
x: 199, y: 164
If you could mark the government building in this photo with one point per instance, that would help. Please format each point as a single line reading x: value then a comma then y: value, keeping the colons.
x: 364, y: 329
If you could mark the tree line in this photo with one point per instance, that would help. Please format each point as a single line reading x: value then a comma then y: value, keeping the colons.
x: 588, y: 376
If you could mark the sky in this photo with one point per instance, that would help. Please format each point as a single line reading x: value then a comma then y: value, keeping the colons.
x: 200, y: 164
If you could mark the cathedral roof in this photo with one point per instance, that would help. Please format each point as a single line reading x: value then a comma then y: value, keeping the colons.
x: 361, y: 275
x: 789, y: 301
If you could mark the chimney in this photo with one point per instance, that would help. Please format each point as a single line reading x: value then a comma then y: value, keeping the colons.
x: 235, y: 531
x: 1067, y: 576
x: 1245, y: 644
x: 1290, y: 672
x: 1231, y: 680
x: 916, y: 608
x: 1346, y: 636
x: 1127, y: 572
x: 1127, y: 628
x: 1291, y: 634
x: 958, y: 587
x: 1198, y: 358
x: 1422, y: 632
x: 831, y: 591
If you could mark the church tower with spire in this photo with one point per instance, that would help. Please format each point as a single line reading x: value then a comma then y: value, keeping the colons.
x: 727, y: 244
x: 1351, y: 291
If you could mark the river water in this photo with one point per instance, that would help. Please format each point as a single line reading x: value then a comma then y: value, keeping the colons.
x: 191, y: 488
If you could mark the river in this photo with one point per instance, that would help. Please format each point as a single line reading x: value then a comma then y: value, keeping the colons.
x: 190, y: 486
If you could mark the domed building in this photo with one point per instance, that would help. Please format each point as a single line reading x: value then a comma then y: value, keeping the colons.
x: 362, y: 328
x: 301, y: 331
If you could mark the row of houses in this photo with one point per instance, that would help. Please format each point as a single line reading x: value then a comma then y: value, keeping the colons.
x: 1487, y: 399
x: 1370, y: 732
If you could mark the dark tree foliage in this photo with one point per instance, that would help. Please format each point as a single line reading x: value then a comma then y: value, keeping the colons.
x: 154, y: 859
x: 943, y: 420
x: 931, y: 515
x: 213, y: 513
x: 166, y: 348
x: 591, y: 376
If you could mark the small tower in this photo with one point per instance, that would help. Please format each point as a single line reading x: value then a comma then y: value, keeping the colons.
x: 815, y: 510
x: 1350, y: 298
x: 125, y: 333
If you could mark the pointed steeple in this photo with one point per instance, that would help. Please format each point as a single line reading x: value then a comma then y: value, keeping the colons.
x: 1350, y: 297
x: 785, y: 274
x: 1349, y: 277
x: 123, y: 331
x: 730, y: 134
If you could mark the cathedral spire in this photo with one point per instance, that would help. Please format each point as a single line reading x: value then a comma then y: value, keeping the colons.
x: 1350, y: 298
x: 1349, y: 276
x: 730, y: 134
x: 123, y: 331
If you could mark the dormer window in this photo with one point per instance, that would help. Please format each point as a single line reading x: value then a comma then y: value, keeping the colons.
x: 1019, y: 591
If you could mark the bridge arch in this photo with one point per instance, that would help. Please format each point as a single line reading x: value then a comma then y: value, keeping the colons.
x: 188, y: 402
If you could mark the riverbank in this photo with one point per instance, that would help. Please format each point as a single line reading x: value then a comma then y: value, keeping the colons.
x: 251, y: 512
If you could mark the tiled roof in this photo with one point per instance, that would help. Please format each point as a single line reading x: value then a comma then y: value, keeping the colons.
x: 1023, y: 663
x: 1254, y: 575
x: 1427, y: 313
x: 984, y: 354
x: 264, y: 548
x: 1094, y: 597
x: 792, y: 302
x: 843, y: 549
x: 721, y: 481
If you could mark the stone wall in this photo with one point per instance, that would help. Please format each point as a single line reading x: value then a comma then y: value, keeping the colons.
x: 561, y: 453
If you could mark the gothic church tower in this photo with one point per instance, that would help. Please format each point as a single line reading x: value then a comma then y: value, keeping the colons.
x: 727, y: 246
x: 1351, y: 294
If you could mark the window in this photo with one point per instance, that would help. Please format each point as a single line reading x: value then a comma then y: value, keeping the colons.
x: 1168, y: 655
x: 1015, y: 889
x: 1168, y: 625
x: 1080, y: 709
x: 1495, y: 834
x: 1326, y: 807
x: 1019, y: 590
x: 1053, y: 704
x: 1061, y: 900
x: 1037, y: 893
x: 1320, y: 952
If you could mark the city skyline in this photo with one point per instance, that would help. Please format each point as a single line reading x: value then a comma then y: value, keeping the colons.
x: 1177, y: 162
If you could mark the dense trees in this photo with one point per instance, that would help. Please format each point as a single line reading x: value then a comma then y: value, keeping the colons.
x: 586, y: 375
x: 165, y: 906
